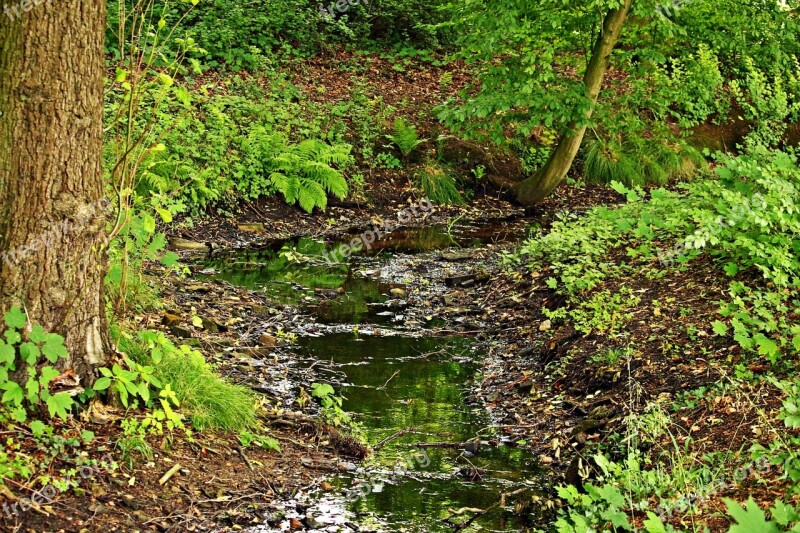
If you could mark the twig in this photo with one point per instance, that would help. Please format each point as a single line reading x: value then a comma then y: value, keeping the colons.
x: 393, y: 436
x: 246, y: 460
x: 171, y: 472
x: 388, y: 380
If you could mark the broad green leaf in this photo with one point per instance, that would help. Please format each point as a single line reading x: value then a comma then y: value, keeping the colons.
x: 15, y: 318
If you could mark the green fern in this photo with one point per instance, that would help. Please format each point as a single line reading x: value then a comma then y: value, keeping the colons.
x: 304, y: 173
x: 405, y: 136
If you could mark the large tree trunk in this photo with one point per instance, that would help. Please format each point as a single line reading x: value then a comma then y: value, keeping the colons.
x: 52, y: 219
x: 541, y: 184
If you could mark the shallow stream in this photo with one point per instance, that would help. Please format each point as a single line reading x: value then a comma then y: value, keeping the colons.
x: 396, y: 373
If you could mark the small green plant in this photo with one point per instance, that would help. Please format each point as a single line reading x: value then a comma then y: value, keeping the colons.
x: 603, y: 314
x: 209, y: 401
x: 405, y: 137
x: 387, y: 161
x: 331, y: 404
x: 247, y: 439
x: 28, y: 353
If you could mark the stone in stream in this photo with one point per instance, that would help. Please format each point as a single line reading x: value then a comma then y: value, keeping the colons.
x: 398, y: 293
x: 186, y: 245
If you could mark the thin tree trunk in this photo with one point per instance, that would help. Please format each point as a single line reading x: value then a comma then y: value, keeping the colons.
x: 541, y: 184
x: 52, y: 219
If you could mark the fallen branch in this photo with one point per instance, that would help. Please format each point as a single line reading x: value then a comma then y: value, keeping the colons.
x: 391, y: 437
x: 171, y: 472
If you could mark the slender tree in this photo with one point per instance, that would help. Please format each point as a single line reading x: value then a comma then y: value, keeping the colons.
x: 52, y: 220
x: 543, y: 182
x: 530, y: 52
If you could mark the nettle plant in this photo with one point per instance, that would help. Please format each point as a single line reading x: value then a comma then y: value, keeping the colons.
x: 27, y: 354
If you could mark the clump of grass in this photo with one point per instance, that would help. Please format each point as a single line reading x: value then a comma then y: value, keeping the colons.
x: 439, y: 186
x: 640, y: 162
x: 209, y: 400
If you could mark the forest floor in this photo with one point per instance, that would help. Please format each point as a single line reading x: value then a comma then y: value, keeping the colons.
x: 556, y: 391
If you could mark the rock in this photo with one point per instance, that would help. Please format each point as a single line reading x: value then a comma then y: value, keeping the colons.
x: 456, y: 256
x: 189, y: 246
x: 178, y: 331
x: 170, y: 320
x: 212, y: 326
x: 129, y: 501
x: 398, y: 293
x: 254, y: 227
x: 268, y: 341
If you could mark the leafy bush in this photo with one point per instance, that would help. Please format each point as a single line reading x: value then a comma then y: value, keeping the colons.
x: 25, y: 375
x: 304, y: 173
x: 767, y: 104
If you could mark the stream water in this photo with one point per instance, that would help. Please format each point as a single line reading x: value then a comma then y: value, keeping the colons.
x: 395, y: 374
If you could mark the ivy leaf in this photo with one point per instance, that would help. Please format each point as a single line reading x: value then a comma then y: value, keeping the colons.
x: 37, y: 428
x: 766, y: 347
x: 48, y: 374
x: 719, y: 327
x: 15, y: 318
x: 58, y: 404
x: 731, y: 269
x: 750, y: 518
x: 29, y: 352
x: 13, y: 337
x: 54, y: 348
x: 37, y: 335
x: 170, y: 259
x: 14, y: 394
x: 7, y: 353
x: 87, y: 436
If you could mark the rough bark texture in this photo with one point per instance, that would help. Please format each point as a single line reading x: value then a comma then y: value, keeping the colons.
x: 52, y: 219
x: 541, y: 184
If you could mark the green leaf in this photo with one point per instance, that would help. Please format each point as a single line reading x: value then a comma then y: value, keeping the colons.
x: 165, y: 215
x: 148, y: 223
x: 37, y: 428
x: 750, y: 519
x: 14, y: 394
x: 48, y: 374
x: 13, y: 337
x: 58, y: 404
x: 54, y: 348
x: 719, y: 327
x: 15, y: 318
x: 653, y: 523
x: 29, y: 352
x: 37, y: 334
x: 7, y: 353
x: 87, y: 436
x: 102, y: 384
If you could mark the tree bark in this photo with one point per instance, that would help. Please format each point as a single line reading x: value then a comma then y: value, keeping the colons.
x: 541, y: 184
x: 52, y: 212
